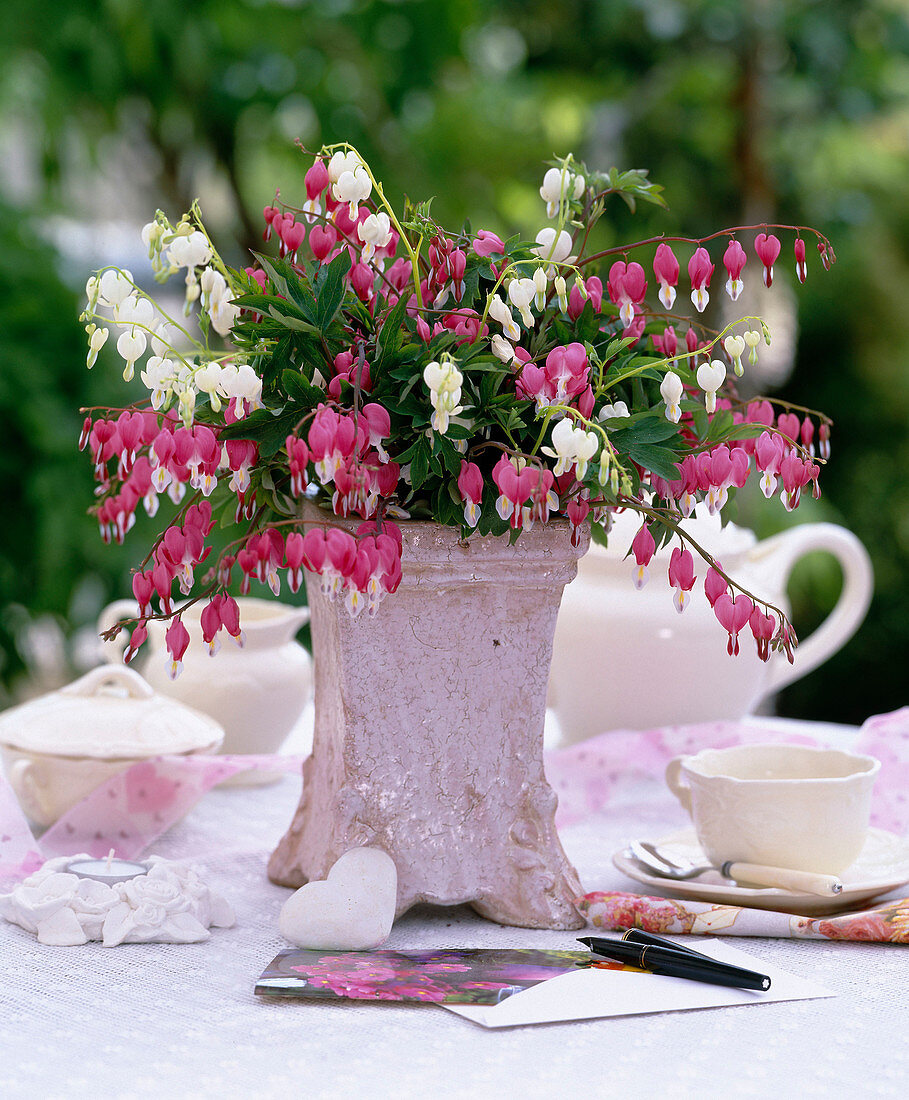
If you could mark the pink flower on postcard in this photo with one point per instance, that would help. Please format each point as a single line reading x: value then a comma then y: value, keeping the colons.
x: 422, y: 991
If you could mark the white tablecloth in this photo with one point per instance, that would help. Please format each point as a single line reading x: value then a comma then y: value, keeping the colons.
x: 167, y: 1021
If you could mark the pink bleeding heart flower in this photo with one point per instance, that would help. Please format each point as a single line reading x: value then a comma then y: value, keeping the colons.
x: 801, y: 267
x: 322, y: 239
x: 470, y: 486
x: 734, y: 260
x: 314, y: 550
x: 768, y: 454
x: 762, y: 627
x: 626, y: 286
x: 666, y: 270
x: 700, y: 269
x: 457, y: 263
x: 137, y: 639
x: 514, y: 488
x: 714, y: 585
x: 666, y: 344
x: 681, y: 576
x: 210, y: 621
x: 807, y: 435
x: 643, y: 547
x: 269, y: 213
x: 143, y: 588
x: 733, y: 615
x: 767, y: 247
x: 577, y: 510
x: 488, y: 244
x: 316, y: 179
x: 176, y: 640
x: 294, y: 552
x: 790, y: 425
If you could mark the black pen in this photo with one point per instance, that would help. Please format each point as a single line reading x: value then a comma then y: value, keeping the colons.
x: 677, y: 964
x: 638, y: 935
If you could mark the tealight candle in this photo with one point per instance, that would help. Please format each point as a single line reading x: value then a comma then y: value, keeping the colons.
x: 108, y: 871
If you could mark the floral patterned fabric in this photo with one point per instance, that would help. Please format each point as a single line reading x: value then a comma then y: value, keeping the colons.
x: 617, y: 911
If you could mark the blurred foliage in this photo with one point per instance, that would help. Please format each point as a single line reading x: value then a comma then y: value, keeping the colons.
x: 782, y: 110
x: 49, y: 547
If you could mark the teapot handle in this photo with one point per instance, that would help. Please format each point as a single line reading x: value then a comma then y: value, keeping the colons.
x: 850, y: 608
x: 113, y: 651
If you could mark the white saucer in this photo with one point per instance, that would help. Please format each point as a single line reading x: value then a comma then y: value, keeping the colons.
x: 882, y: 866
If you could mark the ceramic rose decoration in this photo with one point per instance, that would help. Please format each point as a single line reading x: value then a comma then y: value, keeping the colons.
x: 388, y: 369
x: 169, y: 904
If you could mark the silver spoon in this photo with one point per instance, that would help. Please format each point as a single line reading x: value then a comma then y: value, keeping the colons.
x: 649, y: 856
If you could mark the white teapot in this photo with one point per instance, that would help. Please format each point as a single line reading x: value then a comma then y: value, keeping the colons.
x: 256, y: 693
x: 626, y: 659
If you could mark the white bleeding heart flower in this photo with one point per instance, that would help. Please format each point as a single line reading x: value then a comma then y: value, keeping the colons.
x: 734, y: 347
x: 374, y: 232
x: 114, y: 286
x: 190, y: 251
x: 502, y: 349
x: 521, y: 292
x: 96, y: 341
x: 131, y: 344
x: 135, y: 310
x: 710, y: 377
x: 671, y: 390
x: 618, y: 410
x: 752, y: 338
x: 500, y: 312
x: 554, y: 247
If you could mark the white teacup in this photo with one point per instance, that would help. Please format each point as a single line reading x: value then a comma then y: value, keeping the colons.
x: 779, y: 805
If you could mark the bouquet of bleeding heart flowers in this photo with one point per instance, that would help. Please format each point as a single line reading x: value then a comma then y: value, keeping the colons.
x: 387, y: 369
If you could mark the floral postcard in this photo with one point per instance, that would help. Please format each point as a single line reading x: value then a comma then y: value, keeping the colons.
x: 473, y: 976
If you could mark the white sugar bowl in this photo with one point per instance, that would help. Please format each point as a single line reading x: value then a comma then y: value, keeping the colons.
x: 57, y: 749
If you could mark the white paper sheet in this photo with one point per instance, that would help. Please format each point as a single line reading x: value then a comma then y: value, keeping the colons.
x: 587, y: 994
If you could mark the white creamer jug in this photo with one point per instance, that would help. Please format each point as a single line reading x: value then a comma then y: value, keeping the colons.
x: 257, y: 692
x: 626, y: 659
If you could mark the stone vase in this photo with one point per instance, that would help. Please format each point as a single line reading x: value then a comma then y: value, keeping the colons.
x: 428, y: 737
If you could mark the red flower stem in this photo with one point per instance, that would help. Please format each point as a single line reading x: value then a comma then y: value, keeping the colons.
x: 622, y: 249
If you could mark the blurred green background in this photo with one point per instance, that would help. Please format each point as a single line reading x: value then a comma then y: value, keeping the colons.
x: 767, y: 110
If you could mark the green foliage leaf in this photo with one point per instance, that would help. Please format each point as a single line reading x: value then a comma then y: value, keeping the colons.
x: 645, y: 428
x: 391, y: 335
x: 660, y: 460
x: 288, y: 320
x: 266, y: 429
x: 331, y: 288
x: 419, y: 463
x: 298, y: 390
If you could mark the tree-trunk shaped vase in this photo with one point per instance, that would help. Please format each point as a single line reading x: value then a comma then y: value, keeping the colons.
x: 428, y: 738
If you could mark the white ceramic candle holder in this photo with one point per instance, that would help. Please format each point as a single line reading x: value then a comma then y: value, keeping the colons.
x: 166, y: 903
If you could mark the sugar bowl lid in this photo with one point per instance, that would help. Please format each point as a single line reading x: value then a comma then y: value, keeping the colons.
x: 110, y: 713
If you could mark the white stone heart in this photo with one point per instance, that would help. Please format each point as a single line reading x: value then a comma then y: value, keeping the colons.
x: 351, y: 910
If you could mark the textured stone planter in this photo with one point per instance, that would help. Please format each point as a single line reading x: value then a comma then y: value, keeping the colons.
x: 429, y: 729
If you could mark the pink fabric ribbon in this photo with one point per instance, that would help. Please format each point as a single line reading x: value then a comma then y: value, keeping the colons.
x: 615, y: 770
x: 128, y: 812
x: 626, y: 767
